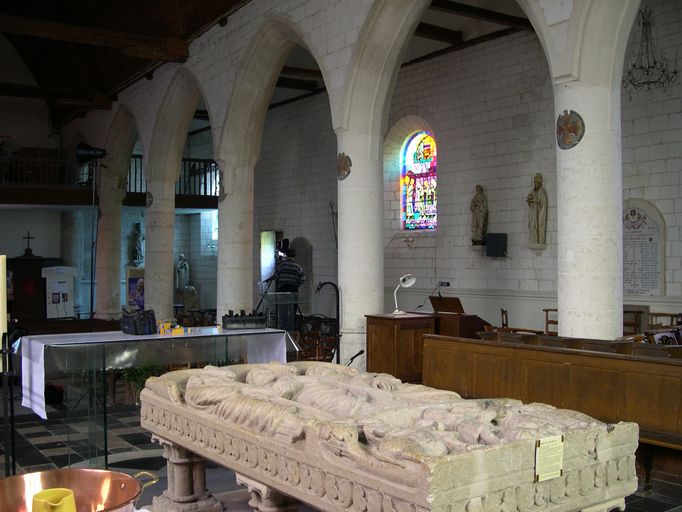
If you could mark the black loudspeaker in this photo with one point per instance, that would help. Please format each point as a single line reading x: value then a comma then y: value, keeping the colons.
x: 496, y: 245
x: 85, y: 153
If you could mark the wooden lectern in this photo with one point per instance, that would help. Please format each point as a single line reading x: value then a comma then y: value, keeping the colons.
x: 451, y: 320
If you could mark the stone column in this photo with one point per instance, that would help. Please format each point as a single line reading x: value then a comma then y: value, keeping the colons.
x: 108, y: 263
x: 158, y: 260
x: 589, y: 203
x: 264, y: 498
x: 235, y: 241
x: 186, y: 476
x: 361, y: 252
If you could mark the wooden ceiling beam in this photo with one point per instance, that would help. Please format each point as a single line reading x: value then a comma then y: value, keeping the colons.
x: 140, y: 46
x: 56, y: 96
x: 296, y: 83
x: 305, y: 73
x: 437, y: 33
x: 478, y: 13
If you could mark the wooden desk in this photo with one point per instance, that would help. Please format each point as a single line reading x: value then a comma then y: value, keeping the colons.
x: 394, y: 344
x: 459, y: 324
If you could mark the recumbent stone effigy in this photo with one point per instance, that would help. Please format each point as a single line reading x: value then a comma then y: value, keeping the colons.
x: 339, y: 440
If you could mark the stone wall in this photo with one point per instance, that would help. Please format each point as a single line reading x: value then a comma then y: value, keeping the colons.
x: 295, y: 181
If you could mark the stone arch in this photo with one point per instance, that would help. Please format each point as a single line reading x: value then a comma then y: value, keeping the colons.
x: 162, y: 169
x: 579, y: 38
x: 170, y: 128
x: 119, y: 146
x: 239, y: 144
x: 395, y: 138
x: 375, y: 63
x: 237, y: 153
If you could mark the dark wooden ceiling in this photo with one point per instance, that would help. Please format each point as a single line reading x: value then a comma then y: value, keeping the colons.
x: 83, y: 52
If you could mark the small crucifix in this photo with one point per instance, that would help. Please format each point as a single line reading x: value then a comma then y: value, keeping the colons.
x: 28, y: 238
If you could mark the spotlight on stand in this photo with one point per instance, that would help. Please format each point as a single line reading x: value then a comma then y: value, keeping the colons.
x: 405, y: 282
x: 86, y: 153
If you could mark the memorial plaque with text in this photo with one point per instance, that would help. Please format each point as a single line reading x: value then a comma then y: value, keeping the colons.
x: 642, y: 256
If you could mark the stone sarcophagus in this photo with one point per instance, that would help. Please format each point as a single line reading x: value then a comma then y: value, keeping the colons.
x: 343, y: 441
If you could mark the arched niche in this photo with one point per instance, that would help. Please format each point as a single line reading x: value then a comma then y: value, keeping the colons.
x: 644, y: 246
x: 394, y: 143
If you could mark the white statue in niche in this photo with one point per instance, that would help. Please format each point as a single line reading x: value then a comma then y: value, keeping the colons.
x: 137, y: 256
x: 181, y: 273
x: 479, y: 216
x: 537, y: 212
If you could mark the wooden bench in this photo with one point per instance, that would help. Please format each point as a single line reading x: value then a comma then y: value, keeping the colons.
x: 608, y: 380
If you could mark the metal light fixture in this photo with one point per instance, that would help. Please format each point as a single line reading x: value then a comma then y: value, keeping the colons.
x: 650, y: 67
x: 405, y: 282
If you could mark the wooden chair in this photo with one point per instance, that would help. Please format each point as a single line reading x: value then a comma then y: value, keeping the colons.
x: 550, y: 320
x: 632, y: 319
x: 658, y: 320
x: 505, y: 317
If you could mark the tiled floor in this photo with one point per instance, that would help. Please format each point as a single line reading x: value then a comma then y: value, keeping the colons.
x: 58, y: 442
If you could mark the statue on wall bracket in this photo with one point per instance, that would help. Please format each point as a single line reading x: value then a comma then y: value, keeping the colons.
x: 537, y: 214
x: 479, y: 216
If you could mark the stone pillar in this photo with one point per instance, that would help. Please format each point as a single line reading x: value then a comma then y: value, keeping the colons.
x: 186, y: 476
x: 235, y: 241
x: 266, y: 499
x: 589, y: 203
x: 108, y: 262
x: 158, y: 261
x: 361, y: 252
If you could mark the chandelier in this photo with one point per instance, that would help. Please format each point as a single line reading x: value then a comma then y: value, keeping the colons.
x: 650, y: 68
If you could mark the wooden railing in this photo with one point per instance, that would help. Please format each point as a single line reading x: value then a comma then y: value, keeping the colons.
x: 43, y: 172
x: 198, y: 177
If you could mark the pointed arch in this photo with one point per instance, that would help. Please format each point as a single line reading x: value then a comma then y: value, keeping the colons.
x: 237, y: 153
x: 171, y: 126
x: 375, y: 64
x: 240, y: 140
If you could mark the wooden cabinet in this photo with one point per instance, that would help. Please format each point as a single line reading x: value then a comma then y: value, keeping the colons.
x: 394, y: 344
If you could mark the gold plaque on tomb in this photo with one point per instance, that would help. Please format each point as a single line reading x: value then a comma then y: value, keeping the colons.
x: 549, y: 458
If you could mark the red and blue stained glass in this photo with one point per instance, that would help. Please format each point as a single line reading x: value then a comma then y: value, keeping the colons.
x: 418, y: 183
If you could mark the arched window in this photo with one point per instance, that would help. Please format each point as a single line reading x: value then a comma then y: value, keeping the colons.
x: 418, y: 182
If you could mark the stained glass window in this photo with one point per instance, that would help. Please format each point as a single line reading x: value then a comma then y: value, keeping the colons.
x: 418, y: 182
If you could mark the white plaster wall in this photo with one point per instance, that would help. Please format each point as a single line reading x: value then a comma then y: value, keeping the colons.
x: 491, y: 111
x: 295, y: 180
x: 652, y: 145
x: 44, y: 225
x: 192, y: 236
x: 199, y: 145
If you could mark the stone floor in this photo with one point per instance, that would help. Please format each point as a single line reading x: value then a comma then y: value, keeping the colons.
x: 61, y: 442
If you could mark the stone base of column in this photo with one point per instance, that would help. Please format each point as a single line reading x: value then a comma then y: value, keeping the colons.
x: 165, y: 503
x: 266, y: 499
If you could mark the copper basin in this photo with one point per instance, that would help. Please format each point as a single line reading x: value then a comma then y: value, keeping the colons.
x: 94, y: 489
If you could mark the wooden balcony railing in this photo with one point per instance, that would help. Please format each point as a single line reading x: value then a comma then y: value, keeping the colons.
x: 198, y: 177
x: 43, y: 173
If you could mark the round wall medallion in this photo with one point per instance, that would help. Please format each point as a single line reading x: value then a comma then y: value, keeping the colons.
x: 570, y: 129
